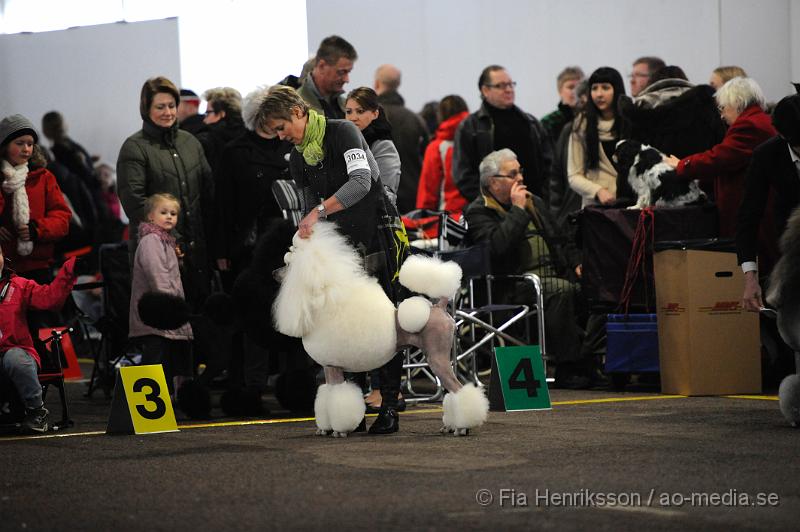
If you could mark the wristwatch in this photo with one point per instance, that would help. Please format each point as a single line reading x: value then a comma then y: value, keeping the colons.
x: 321, y: 211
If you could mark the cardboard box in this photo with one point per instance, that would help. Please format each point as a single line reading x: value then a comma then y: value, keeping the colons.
x: 708, y: 344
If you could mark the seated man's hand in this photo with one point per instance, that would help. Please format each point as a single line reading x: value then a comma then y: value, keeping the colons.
x: 751, y: 299
x: 579, y: 270
x: 519, y: 194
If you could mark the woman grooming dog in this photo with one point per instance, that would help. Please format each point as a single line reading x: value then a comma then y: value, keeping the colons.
x: 340, y: 181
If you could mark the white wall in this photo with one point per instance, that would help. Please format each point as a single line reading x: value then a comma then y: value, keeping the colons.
x: 441, y: 46
x: 756, y: 36
x: 93, y: 75
x: 794, y: 41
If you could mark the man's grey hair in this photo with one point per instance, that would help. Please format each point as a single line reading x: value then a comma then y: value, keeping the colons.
x: 740, y: 93
x: 490, y: 165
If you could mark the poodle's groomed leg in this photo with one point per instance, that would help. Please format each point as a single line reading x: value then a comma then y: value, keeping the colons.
x: 339, y: 406
x: 437, y: 341
x: 332, y: 376
x: 464, y: 407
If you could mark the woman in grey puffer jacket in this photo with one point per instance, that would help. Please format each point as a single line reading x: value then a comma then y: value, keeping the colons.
x: 162, y: 158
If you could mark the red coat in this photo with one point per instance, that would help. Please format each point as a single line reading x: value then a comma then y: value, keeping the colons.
x: 49, y: 212
x: 726, y: 163
x: 434, y: 170
x: 24, y: 294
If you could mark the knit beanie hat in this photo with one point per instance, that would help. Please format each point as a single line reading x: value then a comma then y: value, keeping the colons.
x: 15, y: 126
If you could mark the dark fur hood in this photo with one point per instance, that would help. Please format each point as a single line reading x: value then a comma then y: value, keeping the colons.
x: 681, y: 125
x: 669, y: 99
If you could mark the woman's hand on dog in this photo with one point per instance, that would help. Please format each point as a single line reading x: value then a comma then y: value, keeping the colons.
x: 752, y: 299
x: 306, y: 226
x: 672, y: 161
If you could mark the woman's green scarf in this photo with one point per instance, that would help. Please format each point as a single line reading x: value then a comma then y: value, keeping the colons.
x: 311, y: 147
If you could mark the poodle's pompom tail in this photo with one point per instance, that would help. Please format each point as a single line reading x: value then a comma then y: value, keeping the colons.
x: 789, y: 397
x: 339, y: 407
x: 466, y: 409
x: 430, y: 276
x: 413, y: 313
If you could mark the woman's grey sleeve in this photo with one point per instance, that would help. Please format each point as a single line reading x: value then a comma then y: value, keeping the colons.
x: 362, y: 170
x: 388, y: 161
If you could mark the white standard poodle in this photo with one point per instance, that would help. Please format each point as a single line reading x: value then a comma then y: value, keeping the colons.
x: 347, y: 323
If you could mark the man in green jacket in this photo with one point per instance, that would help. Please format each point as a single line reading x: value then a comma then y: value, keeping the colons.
x: 323, y: 87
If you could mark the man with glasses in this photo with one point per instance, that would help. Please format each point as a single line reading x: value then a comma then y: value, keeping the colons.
x: 643, y: 69
x: 323, y: 87
x: 498, y: 124
x: 523, y: 237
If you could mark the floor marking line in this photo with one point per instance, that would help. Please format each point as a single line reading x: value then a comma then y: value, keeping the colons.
x: 617, y: 399
x: 424, y: 410
x: 755, y: 397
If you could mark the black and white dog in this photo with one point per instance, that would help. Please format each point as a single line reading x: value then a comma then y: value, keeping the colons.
x: 784, y: 295
x: 644, y: 176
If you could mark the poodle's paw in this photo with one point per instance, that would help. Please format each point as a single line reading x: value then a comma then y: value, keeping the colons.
x: 461, y: 432
x: 339, y: 434
x: 323, y: 432
x: 465, y: 409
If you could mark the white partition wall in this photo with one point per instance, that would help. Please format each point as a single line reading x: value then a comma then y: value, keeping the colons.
x: 93, y: 75
x: 441, y: 46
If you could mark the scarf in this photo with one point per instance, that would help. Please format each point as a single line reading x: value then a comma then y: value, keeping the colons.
x: 14, y: 185
x: 311, y: 147
x: 379, y: 129
x: 147, y: 228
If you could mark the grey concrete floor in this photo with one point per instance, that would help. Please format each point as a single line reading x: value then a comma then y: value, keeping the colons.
x: 597, y: 461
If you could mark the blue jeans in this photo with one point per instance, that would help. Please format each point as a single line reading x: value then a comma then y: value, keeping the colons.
x: 21, y: 369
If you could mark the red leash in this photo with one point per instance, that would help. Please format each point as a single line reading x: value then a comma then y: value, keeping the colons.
x: 645, y: 231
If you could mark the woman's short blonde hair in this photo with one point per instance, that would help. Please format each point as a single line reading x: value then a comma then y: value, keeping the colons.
x: 727, y: 73
x: 740, y: 93
x: 278, y: 104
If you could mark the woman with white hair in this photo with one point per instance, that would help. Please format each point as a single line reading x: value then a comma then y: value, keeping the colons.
x: 742, y: 106
x: 248, y: 166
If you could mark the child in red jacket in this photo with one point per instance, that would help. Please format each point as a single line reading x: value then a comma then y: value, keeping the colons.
x: 33, y: 212
x: 18, y: 358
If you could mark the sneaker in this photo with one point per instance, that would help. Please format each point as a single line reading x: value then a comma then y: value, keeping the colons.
x: 35, y: 421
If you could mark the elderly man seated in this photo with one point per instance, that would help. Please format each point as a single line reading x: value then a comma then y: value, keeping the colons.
x: 523, y: 237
